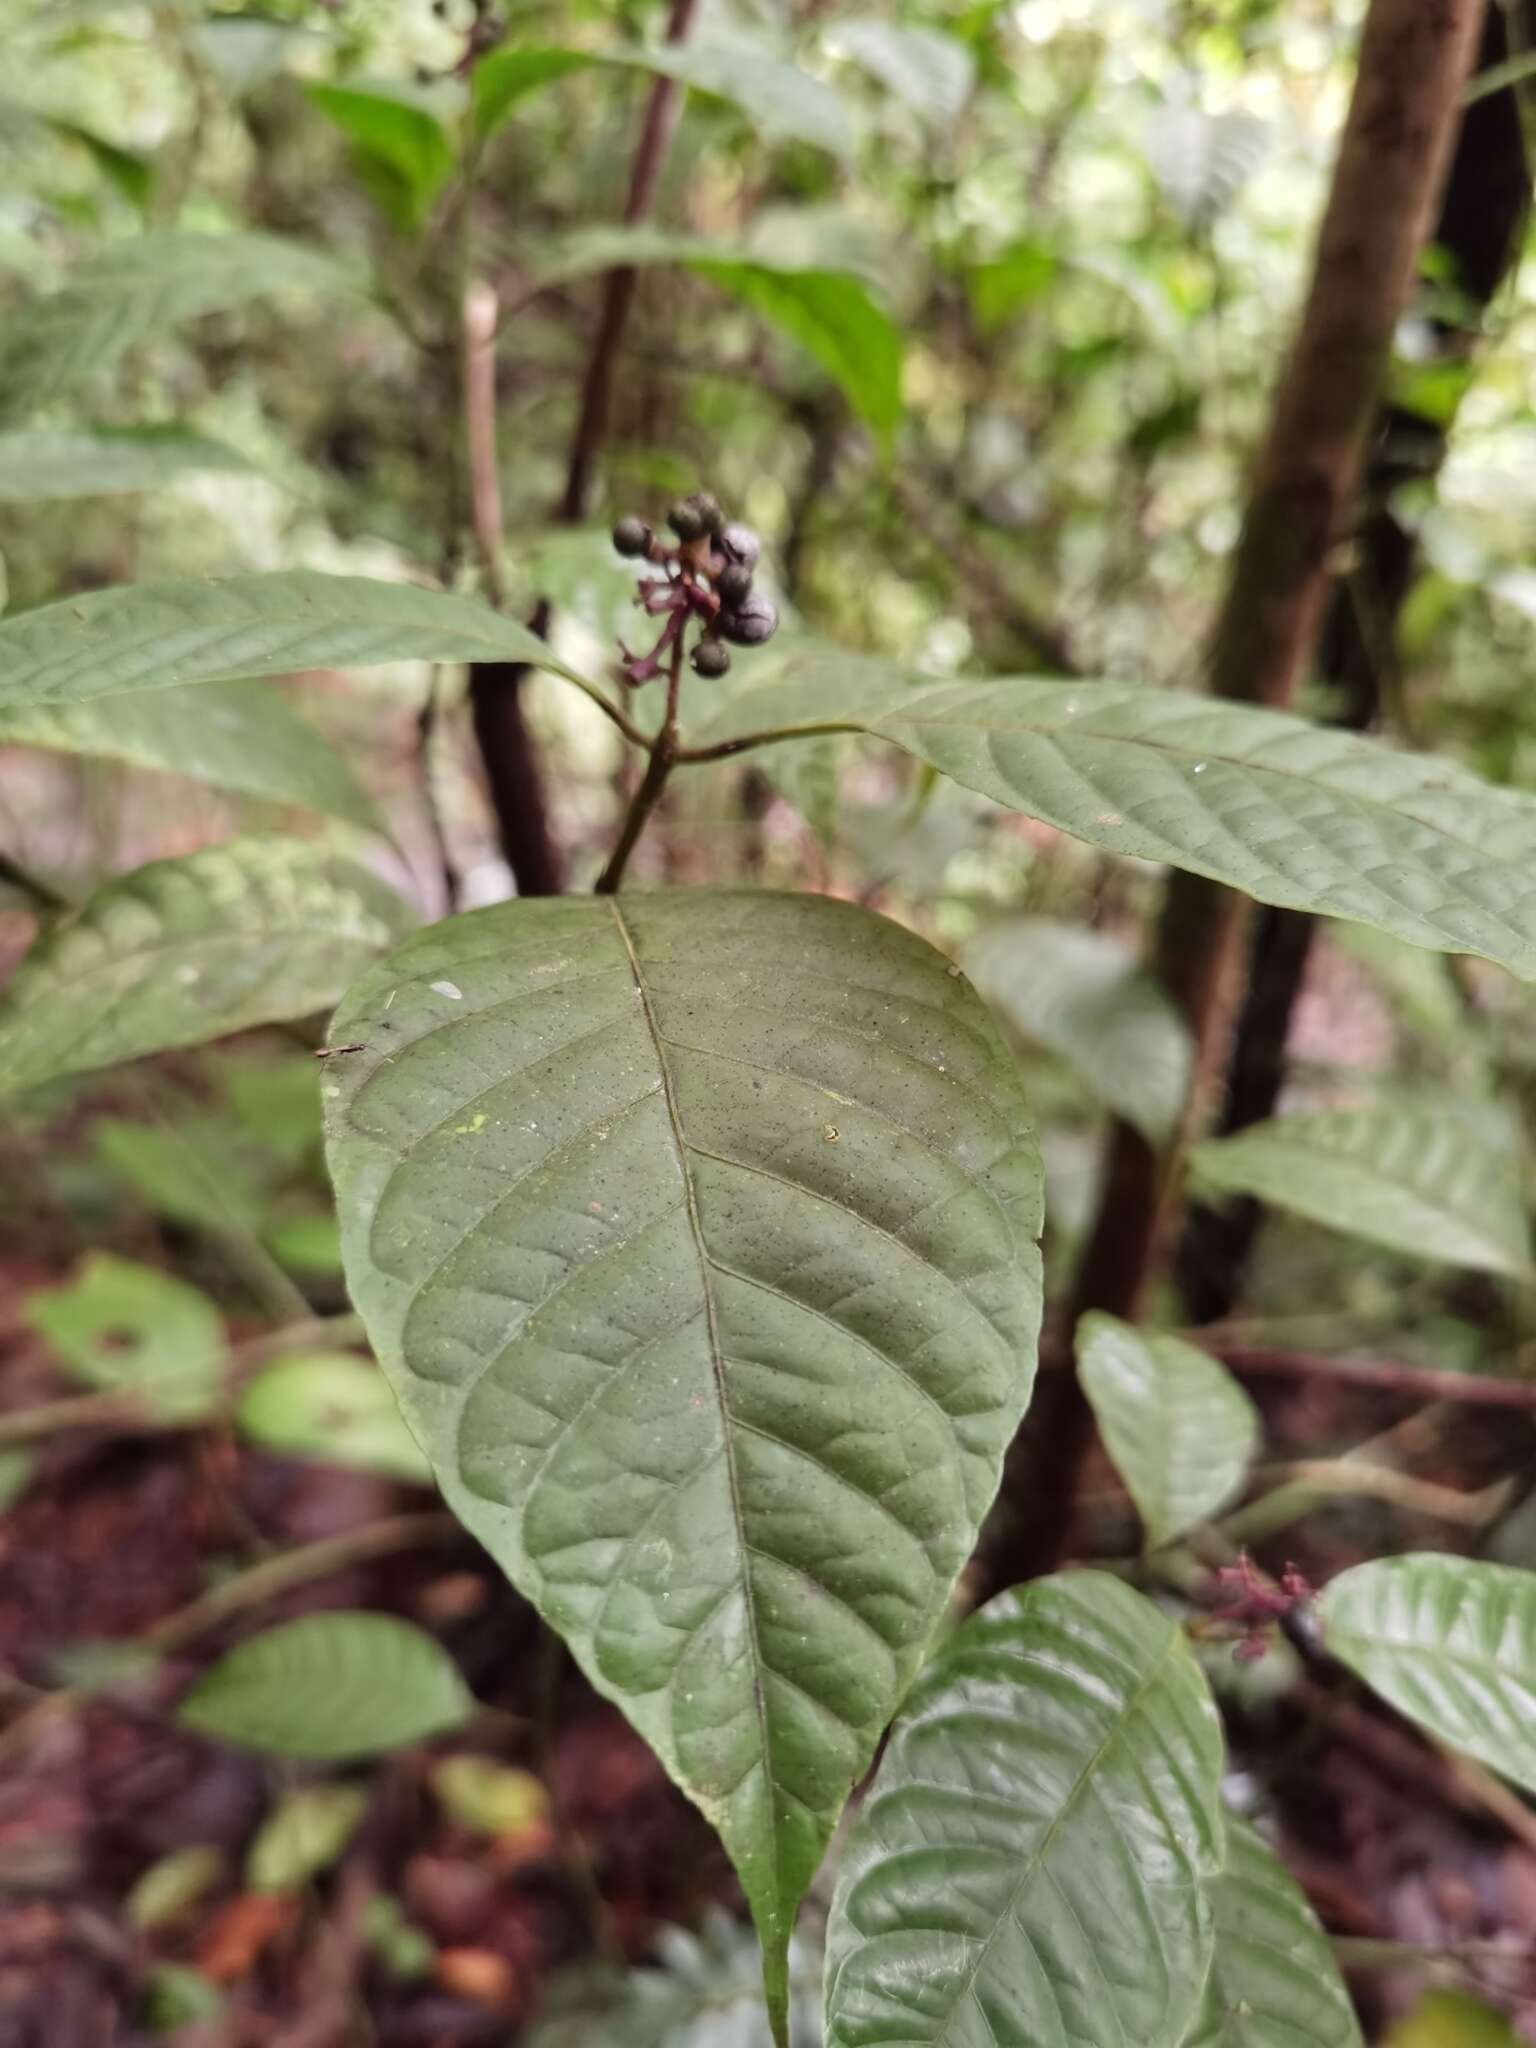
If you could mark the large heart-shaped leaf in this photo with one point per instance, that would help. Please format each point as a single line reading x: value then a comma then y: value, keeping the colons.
x: 1084, y: 996
x: 135, y: 290
x: 330, y: 1686
x: 1415, y: 1178
x: 1274, y: 1982
x: 187, y: 950
x: 148, y: 636
x: 1291, y: 813
x: 1179, y: 1428
x: 238, y: 736
x: 104, y: 461
x: 697, y: 1233
x: 1451, y: 1643
x: 1029, y: 1865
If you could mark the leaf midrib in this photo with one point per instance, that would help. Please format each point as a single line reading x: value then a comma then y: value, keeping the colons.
x: 716, y: 1357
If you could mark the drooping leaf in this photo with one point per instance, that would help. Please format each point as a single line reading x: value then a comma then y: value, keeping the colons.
x: 331, y: 1406
x: 1202, y: 161
x: 697, y: 1235
x: 931, y: 72
x: 122, y: 1325
x: 782, y: 102
x: 238, y: 736
x: 1178, y: 1427
x: 201, y: 1171
x: 101, y: 461
x: 398, y: 135
x: 1029, y: 1864
x: 1085, y: 997
x: 1417, y: 1179
x: 1451, y: 1643
x: 831, y: 313
x: 134, y: 291
x: 188, y: 950
x: 1274, y: 1982
x: 150, y: 636
x: 304, y: 1835
x: 329, y: 1687
x: 1291, y: 813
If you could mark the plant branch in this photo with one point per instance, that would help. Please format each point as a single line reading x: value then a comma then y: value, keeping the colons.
x: 1382, y: 1375
x: 664, y: 757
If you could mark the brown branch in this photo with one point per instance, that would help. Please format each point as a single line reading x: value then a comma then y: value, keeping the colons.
x: 1381, y: 1375
x: 1413, y: 65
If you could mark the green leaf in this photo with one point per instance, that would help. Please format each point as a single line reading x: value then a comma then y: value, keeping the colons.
x: 1178, y: 1427
x: 1028, y: 1866
x: 930, y: 72
x: 121, y: 1325
x: 101, y: 461
x: 1274, y: 1982
x: 1295, y: 814
x: 187, y: 950
x: 305, y: 1833
x: 307, y: 1241
x: 1449, y: 1642
x: 278, y: 1102
x: 329, y: 1687
x: 697, y: 1234
x: 137, y: 290
x: 171, y: 1887
x: 1420, y: 1180
x: 783, y: 103
x: 133, y: 175
x: 830, y: 313
x: 202, y: 1172
x: 17, y: 1465
x: 334, y: 1407
x: 237, y: 736
x: 495, y: 1799
x: 150, y: 636
x: 1084, y: 996
x: 396, y: 132
x: 176, y: 1997
x: 1450, y: 2019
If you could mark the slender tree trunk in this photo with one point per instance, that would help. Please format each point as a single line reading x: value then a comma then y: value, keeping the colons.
x: 1415, y: 57
x: 513, y: 774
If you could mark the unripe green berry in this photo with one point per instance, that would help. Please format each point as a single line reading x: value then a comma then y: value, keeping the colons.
x: 733, y: 584
x: 753, y: 621
x: 711, y: 659
x: 684, y: 520
x: 707, y: 505
x: 739, y: 543
x: 632, y: 536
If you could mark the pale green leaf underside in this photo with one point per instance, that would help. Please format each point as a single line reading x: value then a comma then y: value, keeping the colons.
x: 92, y: 464
x: 1027, y: 1870
x: 1417, y: 1180
x: 1451, y: 1643
x: 1291, y: 813
x: 329, y: 1687
x: 1274, y: 1982
x: 151, y: 636
x: 188, y: 950
x: 1082, y: 995
x: 1178, y: 1428
x: 239, y: 736
x: 138, y: 289
x: 697, y: 1233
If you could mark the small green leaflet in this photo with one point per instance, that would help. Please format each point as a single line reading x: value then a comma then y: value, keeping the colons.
x: 401, y: 146
x: 305, y: 1833
x: 102, y: 461
x: 1274, y: 1982
x: 1417, y: 1179
x: 119, y: 1325
x: 330, y: 1687
x: 1030, y: 1863
x: 1451, y: 1643
x: 1178, y: 1427
x: 188, y: 950
x: 333, y: 1407
x: 697, y: 1233
x: 782, y: 102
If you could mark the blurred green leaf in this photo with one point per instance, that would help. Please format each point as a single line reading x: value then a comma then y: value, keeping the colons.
x: 397, y: 131
x: 17, y: 1465
x: 305, y: 1833
x: 121, y: 1325
x: 132, y: 175
x: 495, y: 1799
x: 307, y: 1242
x: 192, y: 1172
x: 188, y: 950
x: 278, y: 1102
x: 330, y: 1687
x: 1450, y: 2019
x: 1016, y: 279
x: 1085, y: 997
x: 40, y: 463
x: 176, y: 1997
x: 335, y: 1407
x: 929, y: 71
x: 402, y: 1948
x: 1417, y: 1179
x: 171, y: 1887
x: 1179, y: 1429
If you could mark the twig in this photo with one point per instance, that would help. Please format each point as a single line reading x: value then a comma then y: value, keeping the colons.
x: 1382, y: 1375
x: 1301, y: 1483
x: 663, y: 758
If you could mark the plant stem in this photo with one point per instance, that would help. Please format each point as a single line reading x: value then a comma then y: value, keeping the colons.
x: 663, y: 759
x: 1383, y: 1375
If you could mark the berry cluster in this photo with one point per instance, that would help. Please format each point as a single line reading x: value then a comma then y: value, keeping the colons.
x: 708, y: 578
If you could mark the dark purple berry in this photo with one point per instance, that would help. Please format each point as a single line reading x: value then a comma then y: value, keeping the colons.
x: 752, y: 622
x: 739, y: 543
x: 707, y: 505
x: 632, y: 536
x: 733, y: 583
x: 684, y: 520
x: 711, y: 659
